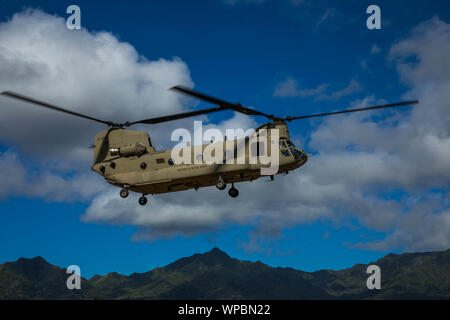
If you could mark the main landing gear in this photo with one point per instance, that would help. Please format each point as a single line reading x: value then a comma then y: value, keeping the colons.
x: 143, y: 200
x: 221, y: 185
x: 124, y: 193
x: 233, y: 192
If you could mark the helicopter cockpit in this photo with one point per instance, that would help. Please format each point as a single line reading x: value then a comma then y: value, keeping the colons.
x: 287, y: 146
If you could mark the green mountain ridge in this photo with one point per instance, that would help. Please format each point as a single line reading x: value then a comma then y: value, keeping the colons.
x: 215, y: 275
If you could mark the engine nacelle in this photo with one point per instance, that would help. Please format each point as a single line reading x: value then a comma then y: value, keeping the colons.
x: 128, y: 151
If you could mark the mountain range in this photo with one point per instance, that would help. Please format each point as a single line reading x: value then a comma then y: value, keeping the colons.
x: 215, y: 275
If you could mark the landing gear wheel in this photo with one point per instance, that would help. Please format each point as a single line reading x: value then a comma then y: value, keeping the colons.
x: 221, y: 184
x: 143, y: 201
x: 124, y: 193
x: 233, y: 192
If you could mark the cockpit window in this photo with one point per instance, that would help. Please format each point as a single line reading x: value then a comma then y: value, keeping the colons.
x: 290, y: 144
x: 285, y: 153
x: 282, y: 145
x: 297, y: 154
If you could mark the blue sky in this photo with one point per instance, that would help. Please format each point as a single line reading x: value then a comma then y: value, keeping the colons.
x: 323, y: 58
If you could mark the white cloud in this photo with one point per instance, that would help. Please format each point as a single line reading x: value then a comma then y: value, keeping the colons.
x: 429, y: 44
x: 422, y: 227
x: 89, y: 72
x: 410, y: 152
x: 20, y: 179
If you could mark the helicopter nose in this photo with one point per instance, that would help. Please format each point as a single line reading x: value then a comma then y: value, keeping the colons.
x: 300, y: 155
x: 305, y: 156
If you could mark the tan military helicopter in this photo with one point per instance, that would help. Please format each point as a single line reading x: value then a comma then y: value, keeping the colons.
x: 127, y: 158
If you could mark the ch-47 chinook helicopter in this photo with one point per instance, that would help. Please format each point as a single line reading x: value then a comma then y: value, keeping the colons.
x: 127, y: 158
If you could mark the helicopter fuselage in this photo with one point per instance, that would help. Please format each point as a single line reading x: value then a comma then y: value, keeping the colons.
x: 126, y: 159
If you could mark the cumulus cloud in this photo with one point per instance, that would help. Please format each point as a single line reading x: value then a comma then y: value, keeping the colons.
x: 89, y: 72
x: 358, y: 161
x: 21, y: 179
x: 410, y: 153
x: 432, y: 59
x: 418, y: 230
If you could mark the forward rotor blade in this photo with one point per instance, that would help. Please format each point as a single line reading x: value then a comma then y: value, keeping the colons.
x: 235, y: 106
x: 391, y: 105
x: 50, y: 106
x: 177, y: 116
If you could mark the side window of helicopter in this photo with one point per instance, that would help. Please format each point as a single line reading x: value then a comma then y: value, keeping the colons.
x: 282, y: 144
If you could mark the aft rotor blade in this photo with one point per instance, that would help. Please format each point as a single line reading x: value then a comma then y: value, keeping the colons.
x: 53, y: 107
x: 235, y: 106
x: 391, y: 105
x: 177, y: 116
